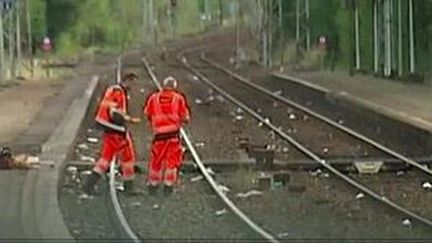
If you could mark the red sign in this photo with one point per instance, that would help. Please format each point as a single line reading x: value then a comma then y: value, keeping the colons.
x: 46, y: 44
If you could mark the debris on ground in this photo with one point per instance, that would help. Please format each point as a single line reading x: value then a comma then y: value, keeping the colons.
x: 195, y: 78
x: 406, y: 222
x: 136, y: 204
x: 283, y: 235
x: 199, y: 144
x: 278, y: 92
x: 427, y: 185
x: 239, y: 118
x: 83, y: 146
x: 224, y: 189
x: 87, y: 158
x: 198, y: 101
x: 360, y: 195
x: 400, y: 173
x: 325, y: 150
x: 239, y: 111
x: 86, y: 173
x: 196, y: 178
x: 285, y: 150
x: 92, y: 140
x: 221, y: 212
x: 142, y: 91
x: 248, y: 194
x: 260, y: 124
x: 210, y: 171
x: 267, y: 120
x: 220, y: 98
x: 21, y: 161
x: 85, y: 196
x: 316, y: 173
x: 275, y: 104
x: 292, y: 117
x: 155, y: 206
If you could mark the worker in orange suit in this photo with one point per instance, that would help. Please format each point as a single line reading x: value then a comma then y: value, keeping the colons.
x: 112, y: 116
x: 166, y: 110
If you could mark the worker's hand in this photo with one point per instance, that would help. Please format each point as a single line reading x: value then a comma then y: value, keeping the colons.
x: 135, y: 120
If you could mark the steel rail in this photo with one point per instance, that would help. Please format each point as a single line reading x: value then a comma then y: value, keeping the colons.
x: 320, y: 117
x: 208, y: 177
x: 303, y: 149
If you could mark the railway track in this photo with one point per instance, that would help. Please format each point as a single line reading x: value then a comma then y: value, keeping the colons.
x: 319, y: 158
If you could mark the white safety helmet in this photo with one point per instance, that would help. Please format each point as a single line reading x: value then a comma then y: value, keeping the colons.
x: 169, y: 82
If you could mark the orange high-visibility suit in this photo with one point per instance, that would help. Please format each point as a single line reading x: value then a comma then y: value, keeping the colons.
x: 166, y: 110
x: 116, y: 140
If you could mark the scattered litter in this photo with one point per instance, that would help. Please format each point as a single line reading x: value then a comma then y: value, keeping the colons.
x: 224, y: 189
x: 325, y: 150
x: 278, y: 92
x: 406, y: 222
x: 89, y: 130
x: 260, y: 124
x: 220, y: 98
x: 92, y: 140
x: 292, y: 116
x: 83, y: 146
x: 248, y: 194
x: 340, y: 122
x: 119, y: 186
x: 221, y: 212
x: 326, y: 175
x: 360, y: 195
x: 200, y: 144
x: 305, y: 118
x: 283, y: 235
x: 87, y: 158
x: 316, y: 173
x: 136, y: 204
x: 210, y: 171
x: 198, y: 101
x: 184, y: 60
x: 72, y: 169
x: 196, y: 178
x: 86, y: 173
x: 142, y: 91
x: 210, y: 99
x: 195, y: 78
x: 239, y: 111
x: 85, y: 196
x: 155, y: 206
x: 399, y: 173
x: 427, y: 185
x: 267, y: 120
x: 239, y: 118
x: 285, y: 150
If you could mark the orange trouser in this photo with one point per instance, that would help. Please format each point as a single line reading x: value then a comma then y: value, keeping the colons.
x: 166, y: 156
x: 122, y: 147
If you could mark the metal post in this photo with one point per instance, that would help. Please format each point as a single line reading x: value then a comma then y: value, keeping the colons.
x: 307, y: 26
x: 2, y: 54
x: 400, y: 54
x: 281, y: 32
x: 11, y: 43
x: 357, y: 35
x: 170, y: 20
x: 376, y: 39
x: 388, y: 46
x: 237, y: 10
x: 30, y: 37
x: 411, y: 36
x: 220, y: 13
x: 151, y: 22
x: 18, y: 37
x: 297, y: 22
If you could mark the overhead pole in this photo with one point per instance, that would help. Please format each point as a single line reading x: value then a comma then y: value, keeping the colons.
x: 237, y: 14
x: 411, y: 35
x: 11, y: 42
x: 375, y: 36
x: 400, y: 50
x: 357, y: 36
x: 18, y: 37
x: 298, y: 22
x: 388, y: 44
x: 281, y: 32
x: 308, y: 37
x: 29, y: 37
x: 2, y: 49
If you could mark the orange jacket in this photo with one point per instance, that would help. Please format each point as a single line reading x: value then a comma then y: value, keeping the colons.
x: 113, y: 101
x: 166, y: 110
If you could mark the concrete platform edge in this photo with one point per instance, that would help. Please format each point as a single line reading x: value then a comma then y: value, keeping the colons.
x: 392, y: 113
x: 45, y: 220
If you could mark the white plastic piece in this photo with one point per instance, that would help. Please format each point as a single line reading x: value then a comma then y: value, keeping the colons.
x: 248, y: 194
x: 221, y: 212
x: 92, y: 140
x: 427, y: 185
x: 196, y: 178
x: 406, y: 222
x: 360, y: 195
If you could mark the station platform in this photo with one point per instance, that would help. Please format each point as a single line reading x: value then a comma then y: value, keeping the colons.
x: 407, y: 102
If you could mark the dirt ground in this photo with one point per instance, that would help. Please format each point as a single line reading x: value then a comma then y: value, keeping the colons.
x: 21, y: 101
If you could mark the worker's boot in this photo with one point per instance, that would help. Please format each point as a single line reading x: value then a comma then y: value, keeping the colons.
x: 168, y: 190
x: 129, y: 188
x: 89, y: 184
x: 152, y: 189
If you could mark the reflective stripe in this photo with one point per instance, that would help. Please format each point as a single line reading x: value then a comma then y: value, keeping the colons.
x: 172, y: 118
x: 110, y: 125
